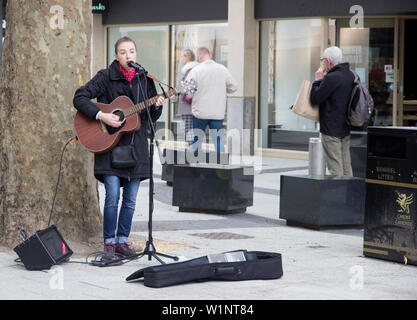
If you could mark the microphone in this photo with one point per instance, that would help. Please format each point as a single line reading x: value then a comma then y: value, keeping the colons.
x: 135, y: 65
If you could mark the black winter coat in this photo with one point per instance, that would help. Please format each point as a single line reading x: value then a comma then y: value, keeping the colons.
x: 332, y: 94
x: 107, y: 85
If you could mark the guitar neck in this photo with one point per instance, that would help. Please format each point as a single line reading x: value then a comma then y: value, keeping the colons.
x: 142, y: 105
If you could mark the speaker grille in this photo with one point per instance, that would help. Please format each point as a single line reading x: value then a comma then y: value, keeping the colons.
x: 43, y: 249
x: 53, y: 244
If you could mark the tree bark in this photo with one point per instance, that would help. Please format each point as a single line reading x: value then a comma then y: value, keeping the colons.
x: 46, y: 57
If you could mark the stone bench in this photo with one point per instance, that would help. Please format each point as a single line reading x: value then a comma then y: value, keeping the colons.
x: 181, y: 156
x: 322, y: 202
x: 212, y: 188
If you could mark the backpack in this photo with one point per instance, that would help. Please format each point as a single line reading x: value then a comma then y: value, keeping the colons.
x: 359, y: 113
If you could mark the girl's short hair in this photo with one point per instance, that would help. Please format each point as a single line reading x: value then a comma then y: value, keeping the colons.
x: 120, y: 41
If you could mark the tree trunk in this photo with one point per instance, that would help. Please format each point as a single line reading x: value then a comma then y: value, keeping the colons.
x: 46, y: 57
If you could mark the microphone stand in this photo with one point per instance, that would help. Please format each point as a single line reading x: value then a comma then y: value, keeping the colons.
x: 150, y: 247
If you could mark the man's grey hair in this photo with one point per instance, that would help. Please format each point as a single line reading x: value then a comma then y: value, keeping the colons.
x: 334, y: 54
x: 203, y: 51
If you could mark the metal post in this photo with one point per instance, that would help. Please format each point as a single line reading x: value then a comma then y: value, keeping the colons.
x: 316, y: 163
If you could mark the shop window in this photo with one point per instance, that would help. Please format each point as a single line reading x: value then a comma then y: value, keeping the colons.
x: 370, y: 52
x: 152, y: 51
x: 410, y: 62
x: 192, y: 36
x: 289, y: 53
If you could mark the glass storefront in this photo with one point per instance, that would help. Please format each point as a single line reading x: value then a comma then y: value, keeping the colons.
x: 192, y: 36
x: 152, y: 52
x: 289, y: 53
x: 290, y: 50
x: 159, y: 52
x: 370, y: 52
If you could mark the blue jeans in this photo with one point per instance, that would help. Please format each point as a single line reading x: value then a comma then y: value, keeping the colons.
x: 215, y: 133
x: 112, y: 185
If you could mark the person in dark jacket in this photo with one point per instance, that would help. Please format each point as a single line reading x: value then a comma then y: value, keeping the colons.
x: 332, y: 91
x: 108, y: 84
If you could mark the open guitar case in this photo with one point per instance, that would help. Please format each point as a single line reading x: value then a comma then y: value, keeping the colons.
x: 230, y: 266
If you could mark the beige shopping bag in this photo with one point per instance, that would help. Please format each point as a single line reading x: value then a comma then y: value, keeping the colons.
x: 302, y: 105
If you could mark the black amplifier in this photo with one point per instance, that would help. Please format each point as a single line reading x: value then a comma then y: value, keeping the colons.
x: 43, y: 249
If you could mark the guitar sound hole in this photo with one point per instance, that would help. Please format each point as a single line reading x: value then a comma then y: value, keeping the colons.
x: 112, y: 130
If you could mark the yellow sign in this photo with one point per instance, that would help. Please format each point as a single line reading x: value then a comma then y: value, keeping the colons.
x: 404, y: 201
x: 403, y: 217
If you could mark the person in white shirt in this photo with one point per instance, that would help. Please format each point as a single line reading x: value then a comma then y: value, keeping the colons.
x: 213, y: 82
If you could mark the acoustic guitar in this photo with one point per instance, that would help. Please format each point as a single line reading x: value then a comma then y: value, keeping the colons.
x: 98, y: 137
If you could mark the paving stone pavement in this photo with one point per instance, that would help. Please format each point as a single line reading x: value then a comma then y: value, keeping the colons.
x: 317, y: 265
